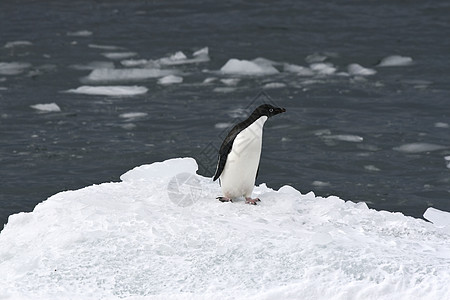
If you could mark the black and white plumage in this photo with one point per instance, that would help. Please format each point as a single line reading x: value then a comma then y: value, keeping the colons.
x: 240, y: 153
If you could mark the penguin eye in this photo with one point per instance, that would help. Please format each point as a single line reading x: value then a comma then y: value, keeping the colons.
x: 270, y: 109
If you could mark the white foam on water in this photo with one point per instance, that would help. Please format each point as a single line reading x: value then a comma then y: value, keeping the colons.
x: 119, y: 55
x: 80, y: 33
x: 116, y: 91
x: 356, y: 69
x: 395, y: 61
x: 419, y: 147
x: 14, y: 44
x: 160, y: 233
x: 246, y: 67
x: 170, y: 79
x: 132, y: 74
x: 46, y: 107
x: 13, y: 68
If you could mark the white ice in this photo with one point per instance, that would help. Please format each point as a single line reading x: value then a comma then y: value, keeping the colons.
x: 356, y: 69
x: 132, y: 74
x: 80, y: 33
x: 395, y: 60
x: 299, y: 70
x: 46, y: 107
x: 246, y: 67
x: 345, y: 138
x: 419, y: 147
x: 133, y: 115
x: 179, y: 58
x: 13, y: 68
x: 160, y: 233
x: 119, y: 55
x: 323, y: 68
x: 14, y: 44
x: 170, y: 79
x: 109, y: 90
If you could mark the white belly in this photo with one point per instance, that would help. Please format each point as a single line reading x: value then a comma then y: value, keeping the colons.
x: 239, y: 174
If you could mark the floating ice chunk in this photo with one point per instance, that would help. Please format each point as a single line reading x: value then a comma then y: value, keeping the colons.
x: 18, y: 44
x: 227, y: 89
x: 133, y: 115
x: 246, y: 67
x: 395, y: 60
x: 419, y: 147
x: 356, y: 69
x: 315, y: 58
x: 105, y: 47
x: 109, y: 90
x: 94, y: 65
x: 117, y: 75
x: 209, y: 80
x: 302, y: 71
x: 274, y: 85
x: 346, y: 138
x: 170, y: 79
x: 202, y: 52
x: 180, y: 58
x: 441, y: 125
x: 47, y: 107
x: 319, y: 183
x: 323, y: 68
x: 119, y: 55
x: 134, y: 62
x: 230, y: 81
x: 13, y: 68
x: 223, y: 125
x: 80, y: 33
x: 372, y: 168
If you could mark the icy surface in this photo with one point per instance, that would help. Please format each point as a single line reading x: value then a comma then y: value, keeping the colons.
x: 246, y: 67
x: 47, y: 107
x: 395, y: 60
x: 160, y: 234
x: 356, y: 69
x: 109, y: 90
x: 118, y: 75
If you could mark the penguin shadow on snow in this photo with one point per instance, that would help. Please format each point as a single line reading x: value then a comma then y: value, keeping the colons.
x: 240, y: 153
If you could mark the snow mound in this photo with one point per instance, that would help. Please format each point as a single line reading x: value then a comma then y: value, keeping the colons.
x: 246, y: 67
x: 160, y: 234
x: 109, y: 90
x: 47, y: 107
x: 395, y: 61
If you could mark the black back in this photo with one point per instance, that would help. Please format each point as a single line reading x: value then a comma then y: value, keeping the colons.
x: 227, y: 144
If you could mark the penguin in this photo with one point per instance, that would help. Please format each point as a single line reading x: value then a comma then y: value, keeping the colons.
x: 239, y: 155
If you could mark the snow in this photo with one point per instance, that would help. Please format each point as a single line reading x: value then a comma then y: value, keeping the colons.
x: 170, y: 79
x: 439, y: 218
x: 419, y: 147
x: 13, y: 68
x: 246, y: 67
x: 46, y: 107
x: 117, y: 90
x: 395, y: 61
x: 159, y: 233
x: 132, y: 74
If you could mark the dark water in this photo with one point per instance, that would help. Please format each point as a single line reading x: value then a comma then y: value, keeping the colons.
x: 337, y: 138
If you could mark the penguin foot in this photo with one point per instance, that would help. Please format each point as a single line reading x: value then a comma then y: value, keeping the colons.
x: 251, y: 201
x: 224, y: 199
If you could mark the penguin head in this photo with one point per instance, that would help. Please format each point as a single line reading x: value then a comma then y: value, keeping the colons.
x: 268, y: 110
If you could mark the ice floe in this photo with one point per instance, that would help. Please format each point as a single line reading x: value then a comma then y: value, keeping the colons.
x: 246, y: 67
x: 119, y: 55
x: 132, y: 74
x: 13, y: 68
x: 179, y: 58
x: 80, y: 33
x: 419, y: 147
x: 395, y: 61
x: 133, y: 115
x: 356, y: 69
x: 46, y: 107
x: 107, y: 90
x: 14, y: 44
x: 160, y: 233
x: 170, y: 79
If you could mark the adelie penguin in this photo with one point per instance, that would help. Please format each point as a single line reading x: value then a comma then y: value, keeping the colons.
x: 239, y: 155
